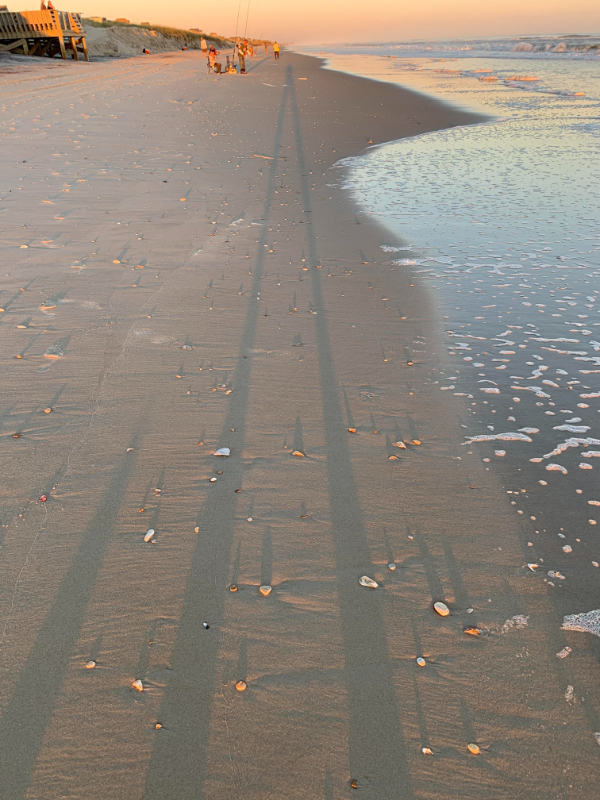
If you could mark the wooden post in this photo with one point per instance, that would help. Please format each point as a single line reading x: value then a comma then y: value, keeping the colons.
x: 84, y: 45
x: 61, y: 44
x: 73, y: 42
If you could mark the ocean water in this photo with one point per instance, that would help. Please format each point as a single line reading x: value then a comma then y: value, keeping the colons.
x: 501, y: 220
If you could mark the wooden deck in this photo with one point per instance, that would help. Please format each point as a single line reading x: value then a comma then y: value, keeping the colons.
x: 42, y: 33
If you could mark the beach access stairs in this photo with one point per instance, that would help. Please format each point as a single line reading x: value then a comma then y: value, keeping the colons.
x: 42, y: 33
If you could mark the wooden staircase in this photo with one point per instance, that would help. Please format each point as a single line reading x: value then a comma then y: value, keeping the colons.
x: 42, y: 33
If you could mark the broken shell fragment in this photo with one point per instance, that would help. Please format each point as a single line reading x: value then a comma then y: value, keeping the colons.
x: 421, y: 661
x: 196, y: 529
x: 472, y: 631
x: 368, y: 582
x: 473, y: 748
x: 427, y: 751
x: 241, y: 686
x: 158, y: 726
x: 298, y: 453
x: 222, y: 451
x: 351, y: 430
x: 149, y: 535
x: 90, y: 664
x: 533, y: 567
x: 401, y: 445
x: 233, y: 587
x: 441, y: 608
x: 265, y: 590
x: 137, y: 684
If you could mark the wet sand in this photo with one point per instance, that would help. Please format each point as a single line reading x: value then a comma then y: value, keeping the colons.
x: 182, y: 273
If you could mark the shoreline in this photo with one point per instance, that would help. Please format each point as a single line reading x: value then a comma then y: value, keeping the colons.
x: 205, y: 287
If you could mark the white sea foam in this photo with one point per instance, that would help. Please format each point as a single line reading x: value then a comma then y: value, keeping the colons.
x: 585, y: 623
x: 499, y: 437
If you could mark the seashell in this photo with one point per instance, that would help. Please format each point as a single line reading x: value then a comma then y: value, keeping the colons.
x: 249, y: 519
x: 401, y: 445
x: 240, y: 686
x: 206, y: 625
x: 90, y: 664
x: 265, y: 590
x: 149, y: 535
x: 158, y: 726
x: 137, y: 684
x: 368, y: 582
x: 391, y: 566
x: 298, y: 453
x: 222, y: 451
x: 354, y: 783
x: 421, y: 661
x: 351, y: 430
x: 472, y: 631
x: 43, y: 498
x: 47, y: 410
x: 196, y: 529
x: 427, y: 751
x: 233, y: 587
x: 441, y: 608
x: 219, y: 472
x: 129, y: 450
x: 416, y: 441
x: 473, y: 748
x: 212, y: 480
x: 533, y: 567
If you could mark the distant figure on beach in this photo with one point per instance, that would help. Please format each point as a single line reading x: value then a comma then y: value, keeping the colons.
x: 213, y: 64
x: 242, y: 53
x: 43, y: 6
x: 203, y: 45
x: 266, y: 49
x: 50, y: 6
x: 276, y: 51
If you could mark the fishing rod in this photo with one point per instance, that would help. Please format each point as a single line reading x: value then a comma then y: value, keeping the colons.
x: 247, y: 15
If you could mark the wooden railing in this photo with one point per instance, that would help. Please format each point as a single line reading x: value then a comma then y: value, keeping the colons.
x: 39, y: 24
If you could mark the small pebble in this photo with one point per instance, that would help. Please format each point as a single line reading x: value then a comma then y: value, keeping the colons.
x: 196, y: 529
x: 158, y: 726
x: 137, y: 684
x: 43, y: 498
x: 206, y: 625
x: 442, y: 609
x: 354, y: 783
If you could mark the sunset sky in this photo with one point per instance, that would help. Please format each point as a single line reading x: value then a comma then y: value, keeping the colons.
x: 354, y: 20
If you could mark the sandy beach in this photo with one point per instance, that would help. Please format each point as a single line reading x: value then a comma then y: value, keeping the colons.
x: 181, y: 272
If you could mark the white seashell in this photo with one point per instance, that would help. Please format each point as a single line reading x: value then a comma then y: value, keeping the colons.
x: 265, y: 590
x: 442, y: 609
x: 137, y: 684
x: 391, y: 566
x: 473, y: 748
x: 427, y: 751
x: 130, y: 449
x: 298, y: 453
x: 223, y: 451
x: 90, y: 664
x: 213, y: 480
x: 533, y: 567
x: 149, y: 535
x: 421, y: 661
x: 368, y: 582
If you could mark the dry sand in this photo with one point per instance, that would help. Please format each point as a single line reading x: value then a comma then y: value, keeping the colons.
x: 179, y: 241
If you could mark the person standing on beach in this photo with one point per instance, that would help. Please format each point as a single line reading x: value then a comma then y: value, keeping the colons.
x: 276, y: 51
x: 203, y: 45
x: 242, y: 53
